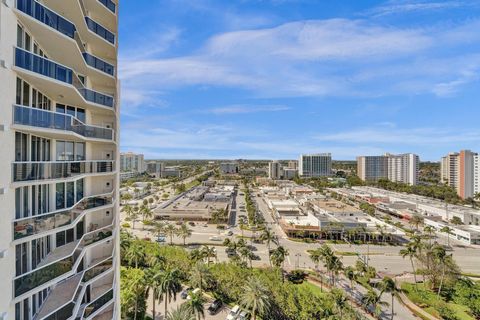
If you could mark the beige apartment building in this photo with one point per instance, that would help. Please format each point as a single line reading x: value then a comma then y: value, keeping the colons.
x: 461, y: 171
x: 59, y: 125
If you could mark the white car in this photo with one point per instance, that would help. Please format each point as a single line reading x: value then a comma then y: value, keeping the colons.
x: 215, y: 238
x: 232, y: 315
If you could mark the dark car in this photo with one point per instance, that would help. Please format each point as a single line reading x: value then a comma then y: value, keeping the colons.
x: 255, y: 257
x: 215, y: 307
x: 191, y: 223
x: 184, y: 293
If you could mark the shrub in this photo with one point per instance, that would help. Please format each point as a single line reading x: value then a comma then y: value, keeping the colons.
x: 126, y: 225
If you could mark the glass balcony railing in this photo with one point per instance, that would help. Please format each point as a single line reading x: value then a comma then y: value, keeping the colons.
x: 100, y: 30
x: 50, y: 221
x: 35, y: 63
x: 51, y: 271
x: 99, y: 64
x: 96, y: 97
x: 31, y: 171
x: 97, y: 304
x: 64, y: 313
x: 97, y: 270
x: 59, y: 121
x: 109, y: 4
x: 46, y: 16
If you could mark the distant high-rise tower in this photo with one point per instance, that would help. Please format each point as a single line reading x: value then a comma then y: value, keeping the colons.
x: 315, y: 165
x: 274, y: 170
x: 397, y: 168
x: 461, y: 171
x: 59, y: 249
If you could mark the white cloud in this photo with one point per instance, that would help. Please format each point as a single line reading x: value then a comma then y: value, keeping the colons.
x: 402, y: 7
x: 239, y: 109
x: 336, y: 57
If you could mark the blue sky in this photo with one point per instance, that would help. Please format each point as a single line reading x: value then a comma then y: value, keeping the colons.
x: 270, y: 79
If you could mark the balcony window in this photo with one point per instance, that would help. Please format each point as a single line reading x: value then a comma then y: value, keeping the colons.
x: 100, y: 30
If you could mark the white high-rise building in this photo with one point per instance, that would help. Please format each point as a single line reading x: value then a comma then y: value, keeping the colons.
x: 397, y: 168
x: 132, y: 162
x: 274, y: 170
x: 315, y: 165
x: 460, y: 171
x: 59, y: 123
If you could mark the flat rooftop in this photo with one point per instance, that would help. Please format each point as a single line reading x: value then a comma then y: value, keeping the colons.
x: 334, y: 206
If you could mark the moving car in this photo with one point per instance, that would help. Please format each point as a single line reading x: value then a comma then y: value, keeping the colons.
x: 233, y: 314
x: 215, y: 307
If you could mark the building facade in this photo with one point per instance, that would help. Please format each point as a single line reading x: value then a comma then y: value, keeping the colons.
x: 59, y: 140
x: 132, y: 162
x: 460, y: 170
x: 229, y: 167
x: 315, y: 165
x: 155, y: 168
x: 401, y: 168
x: 275, y: 170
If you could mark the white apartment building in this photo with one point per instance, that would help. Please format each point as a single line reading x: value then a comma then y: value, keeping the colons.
x: 274, y: 170
x: 397, y: 168
x: 132, y: 162
x: 315, y: 165
x: 59, y: 124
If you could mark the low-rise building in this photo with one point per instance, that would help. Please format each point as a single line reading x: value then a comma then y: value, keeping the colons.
x: 229, y: 168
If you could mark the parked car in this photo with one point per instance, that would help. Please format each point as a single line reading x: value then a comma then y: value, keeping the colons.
x: 191, y: 223
x: 243, y: 316
x: 160, y: 239
x: 184, y: 293
x: 215, y: 238
x: 233, y: 314
x: 193, y: 292
x: 214, y: 307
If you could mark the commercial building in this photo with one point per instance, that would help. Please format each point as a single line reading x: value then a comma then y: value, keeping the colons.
x: 155, y: 168
x: 59, y: 249
x: 461, y: 171
x: 397, y: 168
x: 229, y: 167
x: 130, y: 161
x: 275, y: 170
x: 293, y: 164
x: 315, y: 165
x: 289, y: 173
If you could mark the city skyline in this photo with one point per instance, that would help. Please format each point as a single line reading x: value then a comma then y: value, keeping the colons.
x: 273, y: 79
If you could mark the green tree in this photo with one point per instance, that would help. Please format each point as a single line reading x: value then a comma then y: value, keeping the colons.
x: 209, y: 252
x: 152, y: 280
x: 184, y: 232
x: 411, y: 251
x: 182, y: 312
x: 389, y: 286
x: 169, y: 285
x: 371, y: 301
x: 200, y: 276
x: 196, y: 304
x: 255, y: 297
x: 448, y: 231
x: 135, y: 254
x: 171, y: 231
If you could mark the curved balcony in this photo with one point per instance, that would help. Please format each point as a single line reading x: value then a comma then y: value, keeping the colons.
x: 45, y: 119
x: 71, y: 52
x: 97, y: 304
x: 65, y: 299
x: 52, y: 170
x: 100, y: 30
x: 46, y: 222
x: 109, y: 4
x: 50, y: 69
x: 47, y: 273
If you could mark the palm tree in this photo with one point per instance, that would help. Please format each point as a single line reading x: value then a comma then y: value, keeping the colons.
x: 158, y: 228
x: 448, y: 231
x: 137, y: 285
x: 278, y: 256
x: 156, y: 259
x: 242, y: 223
x: 209, y: 252
x: 372, y: 299
x: 184, y: 232
x: 340, y: 300
x: 182, y: 312
x: 200, y: 276
x: 195, y: 304
x: 146, y: 213
x: 441, y: 255
x: 169, y: 285
x: 170, y: 230
x: 411, y: 252
x: 389, y: 286
x: 415, y: 221
x: 255, y: 297
x: 152, y: 278
x: 131, y: 214
x: 269, y: 236
x: 135, y: 254
x: 351, y: 275
x: 429, y: 230
x: 196, y: 255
